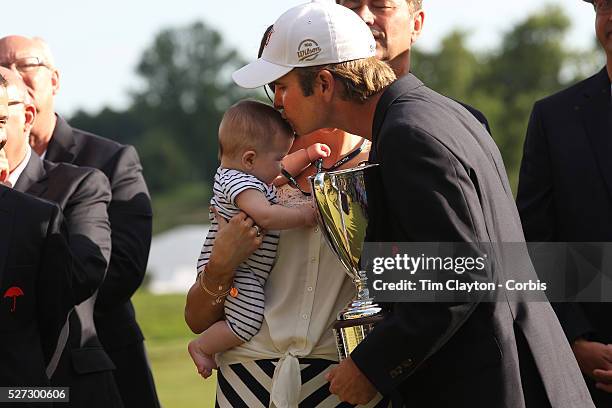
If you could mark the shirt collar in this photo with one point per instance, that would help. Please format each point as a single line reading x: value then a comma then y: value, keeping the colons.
x: 14, y: 176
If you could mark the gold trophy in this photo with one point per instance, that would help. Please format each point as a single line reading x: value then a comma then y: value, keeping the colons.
x: 340, y: 198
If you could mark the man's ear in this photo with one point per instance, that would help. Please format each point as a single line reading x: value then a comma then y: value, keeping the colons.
x: 55, y: 80
x: 248, y: 159
x: 326, y: 84
x: 417, y: 25
x: 30, y: 116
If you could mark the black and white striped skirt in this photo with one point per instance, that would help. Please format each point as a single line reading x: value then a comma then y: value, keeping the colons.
x: 248, y: 385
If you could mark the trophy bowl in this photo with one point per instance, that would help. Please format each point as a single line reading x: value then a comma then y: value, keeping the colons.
x: 341, y: 202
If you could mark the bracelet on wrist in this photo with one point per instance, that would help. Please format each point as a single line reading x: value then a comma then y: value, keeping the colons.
x: 218, y: 295
x: 219, y: 283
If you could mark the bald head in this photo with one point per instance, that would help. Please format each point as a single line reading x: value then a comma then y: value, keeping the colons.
x: 14, y: 47
x: 31, y: 60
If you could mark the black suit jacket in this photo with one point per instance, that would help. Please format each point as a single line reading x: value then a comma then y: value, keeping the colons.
x: 565, y: 185
x: 36, y: 268
x: 84, y: 195
x: 442, y: 179
x: 130, y: 215
x: 478, y: 115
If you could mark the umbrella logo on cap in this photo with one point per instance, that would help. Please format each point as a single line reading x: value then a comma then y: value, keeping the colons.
x: 13, y: 292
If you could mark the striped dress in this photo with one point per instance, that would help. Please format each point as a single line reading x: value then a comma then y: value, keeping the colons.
x: 243, y: 313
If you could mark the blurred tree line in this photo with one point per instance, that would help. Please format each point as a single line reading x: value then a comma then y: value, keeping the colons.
x: 187, y: 86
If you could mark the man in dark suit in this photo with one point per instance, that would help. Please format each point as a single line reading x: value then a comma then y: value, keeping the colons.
x: 129, y: 212
x: 35, y: 285
x: 396, y: 25
x: 35, y: 281
x: 83, y: 195
x: 442, y: 179
x: 565, y: 194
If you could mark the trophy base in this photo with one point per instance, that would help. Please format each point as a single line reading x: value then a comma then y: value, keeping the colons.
x: 349, y: 333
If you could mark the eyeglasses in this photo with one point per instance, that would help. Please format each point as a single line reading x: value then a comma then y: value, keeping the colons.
x: 603, y: 6
x: 12, y: 103
x: 26, y: 64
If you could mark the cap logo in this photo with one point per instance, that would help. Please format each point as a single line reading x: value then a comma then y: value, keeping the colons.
x: 308, y: 50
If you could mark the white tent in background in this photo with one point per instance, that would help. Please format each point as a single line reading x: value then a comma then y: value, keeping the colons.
x: 173, y: 257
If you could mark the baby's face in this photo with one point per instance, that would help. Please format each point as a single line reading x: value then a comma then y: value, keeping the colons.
x: 267, y: 164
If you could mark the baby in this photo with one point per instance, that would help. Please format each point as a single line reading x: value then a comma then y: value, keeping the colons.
x: 253, y: 145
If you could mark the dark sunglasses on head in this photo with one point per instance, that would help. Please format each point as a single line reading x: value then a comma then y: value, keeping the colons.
x: 262, y: 45
x: 271, y: 88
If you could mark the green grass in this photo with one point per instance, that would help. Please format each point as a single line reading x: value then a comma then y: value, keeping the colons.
x: 178, y: 384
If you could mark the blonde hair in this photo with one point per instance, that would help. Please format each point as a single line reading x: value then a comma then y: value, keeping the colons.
x: 250, y: 125
x: 360, y: 78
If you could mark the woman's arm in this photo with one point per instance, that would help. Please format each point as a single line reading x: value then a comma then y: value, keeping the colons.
x: 234, y: 242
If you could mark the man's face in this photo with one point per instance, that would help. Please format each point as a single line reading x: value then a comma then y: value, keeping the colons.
x: 16, y: 126
x: 603, y: 25
x: 303, y: 113
x: 3, y: 115
x: 28, y: 59
x: 4, y: 164
x: 391, y: 23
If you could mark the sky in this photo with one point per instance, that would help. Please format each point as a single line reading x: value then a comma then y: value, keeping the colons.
x: 97, y: 45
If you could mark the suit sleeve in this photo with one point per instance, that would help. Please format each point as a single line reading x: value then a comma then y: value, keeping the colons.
x: 535, y: 202
x: 131, y: 220
x: 430, y: 196
x: 89, y: 233
x: 54, y: 294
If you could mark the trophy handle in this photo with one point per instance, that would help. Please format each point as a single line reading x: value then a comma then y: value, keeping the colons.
x: 360, y: 280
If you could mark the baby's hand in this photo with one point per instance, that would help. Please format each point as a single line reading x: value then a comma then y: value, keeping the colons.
x: 318, y: 151
x: 309, y: 214
x: 204, y: 362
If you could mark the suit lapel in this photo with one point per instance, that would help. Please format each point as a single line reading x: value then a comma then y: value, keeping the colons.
x: 62, y: 145
x: 33, y: 179
x: 596, y: 113
x: 6, y: 224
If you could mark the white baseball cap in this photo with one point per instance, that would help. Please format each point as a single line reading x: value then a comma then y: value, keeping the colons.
x: 316, y: 33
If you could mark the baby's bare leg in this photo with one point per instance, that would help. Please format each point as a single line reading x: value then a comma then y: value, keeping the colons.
x: 217, y: 338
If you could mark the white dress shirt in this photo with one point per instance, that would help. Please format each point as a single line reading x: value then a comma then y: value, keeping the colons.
x: 14, y: 176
